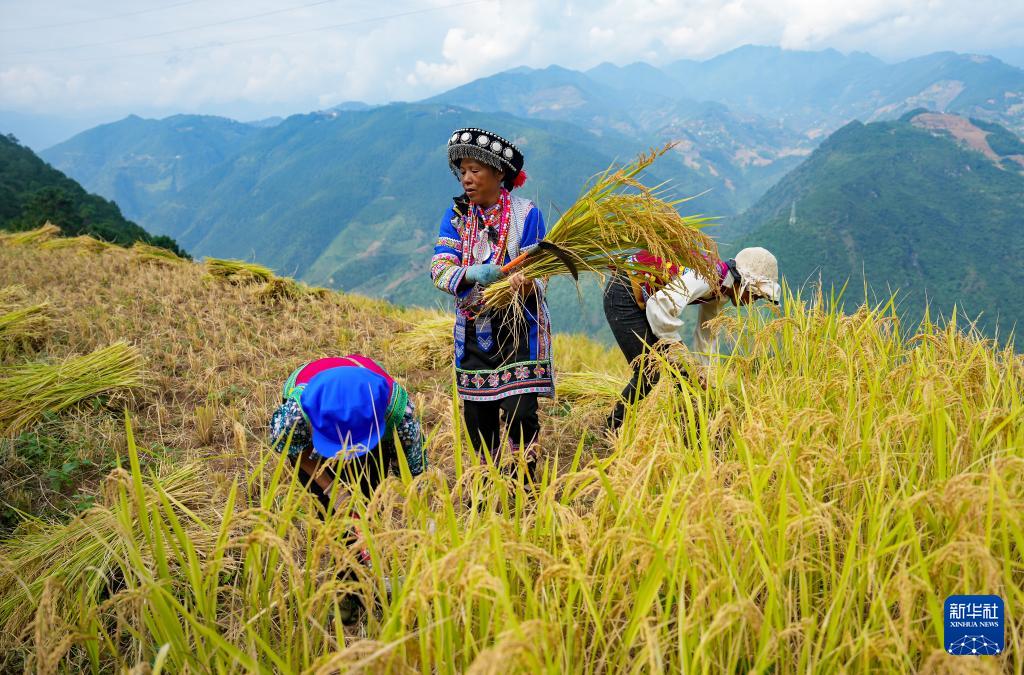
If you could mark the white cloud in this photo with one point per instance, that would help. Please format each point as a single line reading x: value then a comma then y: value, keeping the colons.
x: 424, y: 52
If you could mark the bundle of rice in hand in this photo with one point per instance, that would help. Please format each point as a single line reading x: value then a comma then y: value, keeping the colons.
x: 614, y: 218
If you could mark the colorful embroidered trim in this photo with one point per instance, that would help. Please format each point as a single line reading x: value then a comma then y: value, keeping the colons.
x: 516, y: 378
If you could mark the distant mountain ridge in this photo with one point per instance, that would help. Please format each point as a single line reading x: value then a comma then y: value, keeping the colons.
x: 137, y: 162
x: 350, y: 199
x: 750, y: 115
x: 924, y: 204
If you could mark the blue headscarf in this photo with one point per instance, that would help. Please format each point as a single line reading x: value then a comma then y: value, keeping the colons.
x: 347, y: 409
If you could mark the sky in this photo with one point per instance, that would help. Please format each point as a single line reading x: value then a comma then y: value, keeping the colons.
x: 78, y: 62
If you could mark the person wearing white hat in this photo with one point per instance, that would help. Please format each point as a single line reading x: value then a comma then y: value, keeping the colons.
x: 645, y: 312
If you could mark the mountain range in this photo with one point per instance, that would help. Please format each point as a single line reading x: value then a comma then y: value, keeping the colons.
x: 350, y: 197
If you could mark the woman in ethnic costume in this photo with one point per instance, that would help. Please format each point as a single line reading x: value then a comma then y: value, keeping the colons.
x: 502, y: 362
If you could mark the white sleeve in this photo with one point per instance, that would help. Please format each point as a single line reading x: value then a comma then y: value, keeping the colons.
x: 705, y: 341
x: 665, y: 306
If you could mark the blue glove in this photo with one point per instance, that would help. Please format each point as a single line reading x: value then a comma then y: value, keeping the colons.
x: 485, y: 275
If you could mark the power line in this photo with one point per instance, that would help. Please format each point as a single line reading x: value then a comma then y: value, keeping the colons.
x: 100, y: 18
x: 169, y: 32
x: 346, y: 24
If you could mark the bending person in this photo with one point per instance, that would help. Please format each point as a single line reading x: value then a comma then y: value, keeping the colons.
x: 643, y: 310
x: 502, y: 362
x: 337, y: 421
x: 346, y: 409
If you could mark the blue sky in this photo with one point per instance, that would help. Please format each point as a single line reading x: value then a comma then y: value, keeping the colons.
x: 86, y: 61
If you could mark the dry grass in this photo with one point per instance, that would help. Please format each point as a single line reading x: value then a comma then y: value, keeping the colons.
x: 808, y: 513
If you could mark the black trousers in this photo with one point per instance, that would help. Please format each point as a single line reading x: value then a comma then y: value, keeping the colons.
x: 483, y: 421
x: 634, y: 336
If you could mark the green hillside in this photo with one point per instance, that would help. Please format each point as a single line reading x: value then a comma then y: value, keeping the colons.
x: 349, y: 198
x: 907, y: 207
x: 32, y: 192
x: 139, y: 162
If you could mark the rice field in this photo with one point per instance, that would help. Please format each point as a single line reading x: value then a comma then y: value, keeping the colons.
x: 809, y: 512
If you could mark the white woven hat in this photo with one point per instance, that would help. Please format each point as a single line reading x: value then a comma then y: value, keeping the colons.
x: 759, y: 271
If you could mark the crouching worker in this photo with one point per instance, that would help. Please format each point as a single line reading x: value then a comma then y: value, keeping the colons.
x: 337, y: 421
x: 346, y: 409
x: 643, y: 310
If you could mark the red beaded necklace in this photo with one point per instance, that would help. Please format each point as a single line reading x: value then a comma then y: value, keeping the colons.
x: 479, y: 247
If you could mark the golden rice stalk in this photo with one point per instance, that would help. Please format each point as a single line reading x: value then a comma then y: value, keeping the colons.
x: 83, y: 242
x: 429, y: 342
x: 238, y: 271
x: 613, y: 218
x: 588, y: 387
x: 31, y: 237
x: 155, y: 254
x: 82, y: 552
x: 23, y: 326
x: 27, y: 391
x: 12, y: 297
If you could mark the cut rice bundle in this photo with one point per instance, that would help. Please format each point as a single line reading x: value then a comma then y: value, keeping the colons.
x: 28, y: 391
x: 155, y: 254
x: 23, y: 327
x: 280, y: 288
x: 588, y: 387
x: 31, y: 237
x: 429, y: 342
x: 238, y: 271
x: 83, y: 242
